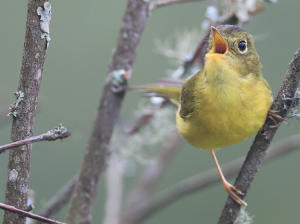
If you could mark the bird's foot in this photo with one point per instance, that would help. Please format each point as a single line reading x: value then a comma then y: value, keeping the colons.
x: 233, y: 192
x: 272, y: 114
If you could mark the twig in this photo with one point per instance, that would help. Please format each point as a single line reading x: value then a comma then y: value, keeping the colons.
x: 140, y: 193
x: 158, y: 4
x: 27, y: 214
x: 24, y: 109
x: 208, y: 178
x: 263, y: 138
x: 57, y: 133
x: 114, y: 183
x: 97, y: 153
x: 60, y: 199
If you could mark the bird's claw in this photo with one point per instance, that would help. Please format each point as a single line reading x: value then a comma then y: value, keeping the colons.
x: 272, y: 114
x: 233, y: 193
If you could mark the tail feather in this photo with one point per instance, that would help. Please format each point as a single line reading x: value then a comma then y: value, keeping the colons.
x: 167, y: 88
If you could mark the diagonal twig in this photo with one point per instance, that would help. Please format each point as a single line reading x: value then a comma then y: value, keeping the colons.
x: 57, y: 133
x: 283, y: 105
x: 27, y: 214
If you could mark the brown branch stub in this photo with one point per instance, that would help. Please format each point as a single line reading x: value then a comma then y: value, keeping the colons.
x: 59, y: 132
x: 97, y: 152
x: 34, y: 54
x: 23, y: 214
x: 29, y: 208
x: 159, y: 4
x: 262, y: 140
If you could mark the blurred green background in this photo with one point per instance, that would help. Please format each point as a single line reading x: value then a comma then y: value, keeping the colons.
x: 83, y: 36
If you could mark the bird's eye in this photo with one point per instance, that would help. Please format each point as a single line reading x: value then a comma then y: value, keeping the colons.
x: 242, y: 46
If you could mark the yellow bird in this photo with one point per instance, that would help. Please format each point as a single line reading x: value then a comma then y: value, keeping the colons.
x: 227, y: 101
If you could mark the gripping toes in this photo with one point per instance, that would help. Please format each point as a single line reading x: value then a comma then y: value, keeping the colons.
x: 233, y: 193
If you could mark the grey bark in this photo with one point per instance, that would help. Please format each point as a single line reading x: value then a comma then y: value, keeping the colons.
x: 34, y: 54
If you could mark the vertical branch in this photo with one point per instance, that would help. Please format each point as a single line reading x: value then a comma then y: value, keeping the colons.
x: 34, y: 54
x: 114, y: 186
x: 97, y: 153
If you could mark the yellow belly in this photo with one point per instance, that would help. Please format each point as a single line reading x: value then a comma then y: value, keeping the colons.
x: 226, y: 113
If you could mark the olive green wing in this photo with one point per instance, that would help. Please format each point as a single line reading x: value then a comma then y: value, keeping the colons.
x: 187, y: 97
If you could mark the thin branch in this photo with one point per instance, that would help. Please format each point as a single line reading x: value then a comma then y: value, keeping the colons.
x: 283, y: 104
x: 24, y: 109
x: 22, y: 213
x: 60, y: 199
x: 114, y: 183
x: 208, y: 178
x: 57, y: 133
x: 97, y: 153
x: 140, y: 193
x: 159, y: 4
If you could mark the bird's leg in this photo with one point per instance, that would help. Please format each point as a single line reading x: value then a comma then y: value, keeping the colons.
x: 231, y: 190
x: 272, y: 114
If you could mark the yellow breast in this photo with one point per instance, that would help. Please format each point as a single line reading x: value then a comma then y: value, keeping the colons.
x: 228, y: 108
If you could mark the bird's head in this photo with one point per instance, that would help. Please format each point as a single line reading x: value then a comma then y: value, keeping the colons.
x: 236, y: 46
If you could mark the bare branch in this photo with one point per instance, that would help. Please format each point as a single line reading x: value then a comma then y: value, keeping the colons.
x: 283, y: 104
x: 114, y: 183
x: 97, y: 153
x: 208, y: 178
x: 158, y: 4
x: 57, y: 133
x: 24, y: 111
x: 27, y: 214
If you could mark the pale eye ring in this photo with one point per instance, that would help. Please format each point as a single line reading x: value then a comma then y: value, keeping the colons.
x: 242, y: 46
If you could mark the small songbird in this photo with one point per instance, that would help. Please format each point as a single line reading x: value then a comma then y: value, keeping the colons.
x: 224, y: 103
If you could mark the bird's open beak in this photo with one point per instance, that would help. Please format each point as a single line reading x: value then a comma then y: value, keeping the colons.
x: 220, y: 45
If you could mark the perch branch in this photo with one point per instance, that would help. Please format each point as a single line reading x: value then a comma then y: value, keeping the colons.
x: 283, y: 104
x: 208, y: 178
x: 27, y: 214
x: 24, y: 109
x: 57, y: 133
x: 97, y: 152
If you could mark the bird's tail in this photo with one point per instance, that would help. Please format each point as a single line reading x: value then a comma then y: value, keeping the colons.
x: 167, y: 88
